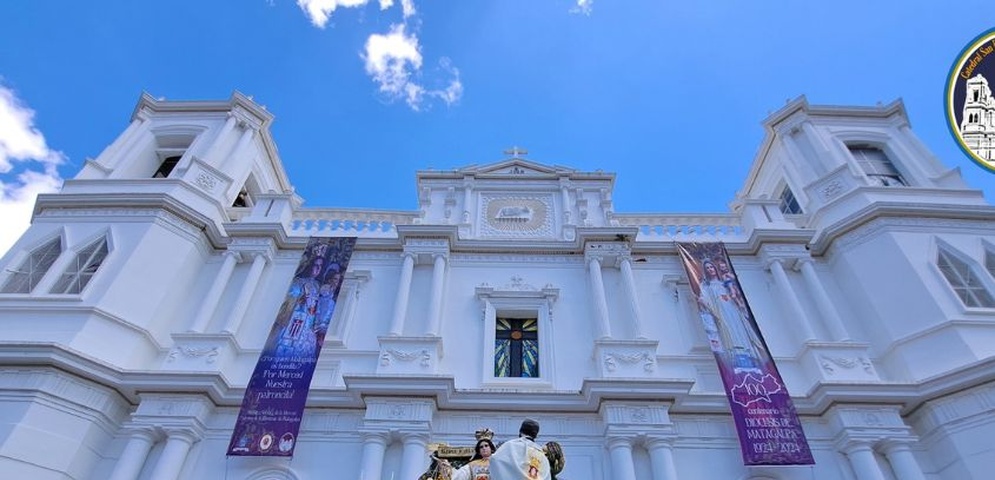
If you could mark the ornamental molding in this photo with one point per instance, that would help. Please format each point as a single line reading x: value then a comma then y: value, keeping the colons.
x: 970, y: 406
x: 412, y: 411
x: 100, y: 212
x: 423, y: 356
x: 516, y: 216
x: 516, y: 288
x: 831, y: 363
x: 787, y: 254
x: 612, y: 359
x: 69, y: 392
x: 206, y: 182
x: 209, y: 354
x: 490, y: 259
x: 617, y: 415
x: 425, y: 242
x: 875, y: 227
x: 251, y: 242
x: 832, y: 186
x: 179, y: 407
x: 855, y: 418
x: 607, y: 252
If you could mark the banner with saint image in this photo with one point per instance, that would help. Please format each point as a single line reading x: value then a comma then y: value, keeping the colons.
x: 766, y: 421
x: 270, y: 417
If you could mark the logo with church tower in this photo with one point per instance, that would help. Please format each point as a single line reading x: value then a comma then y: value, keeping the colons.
x: 969, y: 102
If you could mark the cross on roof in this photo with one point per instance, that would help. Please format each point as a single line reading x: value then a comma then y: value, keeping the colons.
x: 516, y: 152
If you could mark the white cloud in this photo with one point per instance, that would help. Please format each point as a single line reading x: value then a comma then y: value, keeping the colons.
x: 452, y: 93
x: 583, y: 7
x: 22, y: 144
x: 408, y: 7
x: 394, y: 60
x: 319, y: 10
x: 391, y: 59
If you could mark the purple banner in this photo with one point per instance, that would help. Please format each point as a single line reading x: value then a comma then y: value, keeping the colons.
x: 270, y: 417
x: 768, y: 426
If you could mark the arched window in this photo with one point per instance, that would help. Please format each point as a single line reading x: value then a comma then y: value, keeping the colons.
x: 31, y: 271
x: 876, y: 165
x: 963, y: 280
x: 82, y: 269
x: 789, y: 204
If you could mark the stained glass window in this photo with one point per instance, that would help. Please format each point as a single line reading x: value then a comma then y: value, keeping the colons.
x: 516, y: 348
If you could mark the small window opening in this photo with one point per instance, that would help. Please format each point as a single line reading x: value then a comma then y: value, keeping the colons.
x: 167, y: 167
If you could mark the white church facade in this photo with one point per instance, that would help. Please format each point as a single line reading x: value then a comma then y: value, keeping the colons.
x: 978, y: 125
x: 135, y: 307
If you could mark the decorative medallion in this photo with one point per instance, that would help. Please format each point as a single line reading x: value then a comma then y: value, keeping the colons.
x: 517, y: 216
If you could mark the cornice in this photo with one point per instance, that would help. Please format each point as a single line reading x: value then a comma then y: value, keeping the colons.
x: 827, y: 236
x: 238, y: 100
x: 124, y: 202
x: 215, y: 386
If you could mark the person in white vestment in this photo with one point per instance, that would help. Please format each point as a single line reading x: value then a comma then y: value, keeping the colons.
x: 521, y: 458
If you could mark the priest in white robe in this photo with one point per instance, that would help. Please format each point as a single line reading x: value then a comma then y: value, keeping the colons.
x: 521, y: 458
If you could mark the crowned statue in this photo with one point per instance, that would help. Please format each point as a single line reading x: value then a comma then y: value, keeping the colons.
x: 517, y: 459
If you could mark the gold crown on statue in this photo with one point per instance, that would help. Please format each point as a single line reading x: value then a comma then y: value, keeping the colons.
x: 484, y: 434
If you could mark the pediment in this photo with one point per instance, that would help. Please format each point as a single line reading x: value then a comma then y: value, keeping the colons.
x: 515, y: 166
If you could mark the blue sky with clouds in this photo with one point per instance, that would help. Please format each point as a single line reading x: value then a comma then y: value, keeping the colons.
x: 669, y: 95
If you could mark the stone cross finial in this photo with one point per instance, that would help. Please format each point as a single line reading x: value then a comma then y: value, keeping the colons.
x: 516, y: 152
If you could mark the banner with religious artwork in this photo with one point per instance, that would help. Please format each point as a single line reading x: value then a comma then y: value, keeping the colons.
x: 768, y: 426
x: 270, y: 417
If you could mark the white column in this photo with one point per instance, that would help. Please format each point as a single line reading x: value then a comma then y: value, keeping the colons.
x: 630, y: 290
x: 374, y: 446
x: 247, y: 133
x: 903, y: 462
x: 134, y: 455
x: 218, y: 139
x: 438, y: 284
x: 237, y: 313
x: 567, y: 208
x: 833, y: 321
x: 403, y: 290
x: 794, y: 306
x: 122, y: 152
x: 210, y: 302
x: 865, y: 466
x: 661, y: 453
x: 467, y: 198
x: 414, y: 458
x: 126, y: 137
x: 621, y: 454
x: 174, y: 455
x: 833, y: 151
x: 598, y: 296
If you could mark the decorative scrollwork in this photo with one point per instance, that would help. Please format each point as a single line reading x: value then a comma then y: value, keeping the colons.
x: 612, y: 359
x: 209, y: 353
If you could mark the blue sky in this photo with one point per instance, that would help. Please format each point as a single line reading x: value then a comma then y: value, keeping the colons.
x: 669, y: 95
